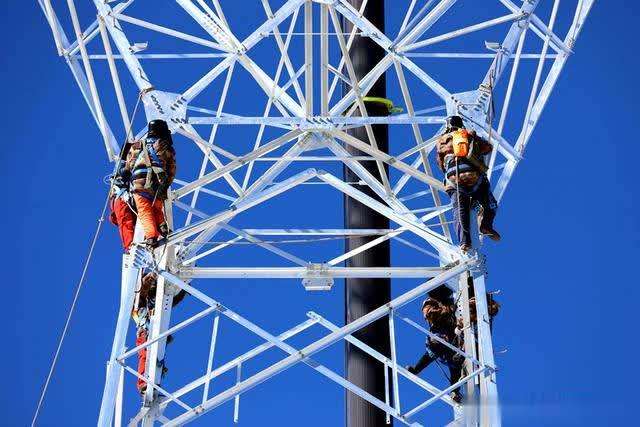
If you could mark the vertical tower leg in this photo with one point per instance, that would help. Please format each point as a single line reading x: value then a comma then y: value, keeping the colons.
x: 470, y: 410
x: 159, y: 324
x: 489, y: 409
x: 130, y: 280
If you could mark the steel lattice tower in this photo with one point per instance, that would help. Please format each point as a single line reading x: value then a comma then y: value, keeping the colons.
x: 303, y: 129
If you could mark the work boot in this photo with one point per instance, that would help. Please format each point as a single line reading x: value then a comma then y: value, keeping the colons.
x: 456, y: 396
x: 160, y: 242
x: 411, y: 369
x: 164, y: 229
x: 151, y: 242
x: 487, y: 230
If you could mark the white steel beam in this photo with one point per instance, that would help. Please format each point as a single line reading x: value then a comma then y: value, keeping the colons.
x: 256, y: 351
x: 542, y: 30
x: 159, y: 321
x: 122, y: 44
x: 231, y: 166
x: 227, y: 214
x: 303, y: 272
x: 425, y: 23
x: 260, y: 184
x: 418, y: 137
x: 317, y: 346
x: 283, y: 46
x: 489, y: 408
x: 545, y: 91
x: 130, y: 278
x: 419, y: 229
x: 115, y: 77
x: 112, y: 153
x: 461, y: 32
x: 383, y: 359
x: 170, y: 32
x: 308, y: 57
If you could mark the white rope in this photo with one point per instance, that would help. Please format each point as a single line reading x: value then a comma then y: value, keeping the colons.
x: 80, y: 282
x: 70, y: 314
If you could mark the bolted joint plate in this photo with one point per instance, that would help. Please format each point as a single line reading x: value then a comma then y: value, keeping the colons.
x: 170, y: 107
x: 317, y: 278
x: 141, y: 257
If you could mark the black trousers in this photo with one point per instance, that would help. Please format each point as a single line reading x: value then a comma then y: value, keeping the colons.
x: 464, y: 199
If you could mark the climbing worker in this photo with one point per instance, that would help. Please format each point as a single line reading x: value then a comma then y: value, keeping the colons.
x: 460, y: 155
x: 120, y: 201
x: 143, y: 309
x: 493, y: 307
x: 152, y: 164
x: 439, y: 311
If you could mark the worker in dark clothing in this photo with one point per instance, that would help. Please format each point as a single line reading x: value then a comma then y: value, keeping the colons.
x: 144, y: 307
x: 121, y: 202
x: 152, y: 164
x: 460, y: 155
x: 439, y: 311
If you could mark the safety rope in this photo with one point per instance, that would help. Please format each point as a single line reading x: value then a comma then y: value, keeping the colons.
x: 82, y: 277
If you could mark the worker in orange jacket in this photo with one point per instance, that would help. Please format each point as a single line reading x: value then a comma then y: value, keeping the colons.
x: 152, y: 164
x: 460, y: 155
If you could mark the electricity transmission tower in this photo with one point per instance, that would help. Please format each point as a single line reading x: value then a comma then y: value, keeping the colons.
x: 495, y: 65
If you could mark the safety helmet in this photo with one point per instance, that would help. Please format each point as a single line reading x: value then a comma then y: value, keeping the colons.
x: 159, y: 129
x: 454, y: 122
x: 442, y: 294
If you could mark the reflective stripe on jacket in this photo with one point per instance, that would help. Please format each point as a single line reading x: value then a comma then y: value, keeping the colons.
x: 152, y: 172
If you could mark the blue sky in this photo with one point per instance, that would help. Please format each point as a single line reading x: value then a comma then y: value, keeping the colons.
x: 569, y: 222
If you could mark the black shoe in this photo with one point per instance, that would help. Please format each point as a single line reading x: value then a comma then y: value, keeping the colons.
x: 411, y: 369
x: 488, y: 231
x: 160, y: 242
x: 456, y: 396
x: 164, y: 229
x: 150, y: 242
x: 154, y: 242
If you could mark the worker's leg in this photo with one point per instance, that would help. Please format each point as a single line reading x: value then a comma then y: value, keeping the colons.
x: 126, y: 222
x: 147, y: 216
x: 158, y: 213
x: 489, y: 206
x: 141, y: 338
x: 424, y: 361
x: 455, y: 372
x: 461, y: 203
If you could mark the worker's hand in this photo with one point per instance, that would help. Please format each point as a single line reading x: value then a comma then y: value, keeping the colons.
x: 120, y: 182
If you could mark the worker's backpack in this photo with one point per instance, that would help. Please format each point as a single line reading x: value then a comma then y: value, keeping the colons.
x: 460, y: 142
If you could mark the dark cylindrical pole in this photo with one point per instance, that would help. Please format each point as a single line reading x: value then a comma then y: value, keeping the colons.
x: 365, y: 295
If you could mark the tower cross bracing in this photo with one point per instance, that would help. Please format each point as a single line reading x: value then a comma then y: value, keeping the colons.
x: 184, y: 61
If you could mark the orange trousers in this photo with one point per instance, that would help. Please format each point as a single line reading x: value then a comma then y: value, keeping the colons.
x: 150, y: 215
x: 125, y: 219
x: 141, y: 338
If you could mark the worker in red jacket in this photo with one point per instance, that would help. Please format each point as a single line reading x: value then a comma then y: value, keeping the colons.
x: 143, y: 309
x: 121, y: 202
x: 152, y: 164
x: 460, y: 155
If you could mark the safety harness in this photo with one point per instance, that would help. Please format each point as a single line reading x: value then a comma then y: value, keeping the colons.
x: 464, y: 158
x: 148, y: 162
